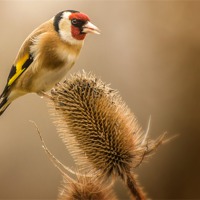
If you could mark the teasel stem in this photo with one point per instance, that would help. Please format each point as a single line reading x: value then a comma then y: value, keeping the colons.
x: 134, y: 187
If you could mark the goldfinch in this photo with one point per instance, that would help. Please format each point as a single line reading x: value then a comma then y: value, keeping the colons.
x: 46, y: 55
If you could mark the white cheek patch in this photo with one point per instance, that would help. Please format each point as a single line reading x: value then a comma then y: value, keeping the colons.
x: 65, y: 34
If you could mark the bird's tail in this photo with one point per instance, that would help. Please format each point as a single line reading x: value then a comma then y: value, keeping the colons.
x: 4, y: 104
x: 7, y: 97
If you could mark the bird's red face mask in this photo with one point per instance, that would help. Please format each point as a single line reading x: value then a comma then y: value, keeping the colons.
x: 81, y: 25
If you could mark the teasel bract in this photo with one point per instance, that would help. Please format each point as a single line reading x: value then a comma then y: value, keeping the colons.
x: 99, y: 130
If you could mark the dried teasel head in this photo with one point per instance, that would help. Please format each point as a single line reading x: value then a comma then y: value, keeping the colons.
x: 84, y: 188
x: 98, y: 128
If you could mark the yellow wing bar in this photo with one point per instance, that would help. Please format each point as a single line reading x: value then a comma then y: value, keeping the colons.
x: 19, y: 68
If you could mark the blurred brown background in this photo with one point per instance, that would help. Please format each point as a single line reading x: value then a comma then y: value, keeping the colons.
x: 150, y: 52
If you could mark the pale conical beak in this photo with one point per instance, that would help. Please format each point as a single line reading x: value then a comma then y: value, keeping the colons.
x: 90, y: 28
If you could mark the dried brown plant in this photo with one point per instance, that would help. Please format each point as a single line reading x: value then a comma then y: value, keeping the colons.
x: 85, y: 188
x: 100, y: 130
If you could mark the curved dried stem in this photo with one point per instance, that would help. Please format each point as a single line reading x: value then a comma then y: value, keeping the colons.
x: 61, y: 167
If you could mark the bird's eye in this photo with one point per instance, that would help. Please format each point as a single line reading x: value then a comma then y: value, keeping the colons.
x: 74, y: 21
x: 77, y: 22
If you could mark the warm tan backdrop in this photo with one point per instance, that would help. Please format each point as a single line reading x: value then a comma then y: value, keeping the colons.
x: 150, y: 52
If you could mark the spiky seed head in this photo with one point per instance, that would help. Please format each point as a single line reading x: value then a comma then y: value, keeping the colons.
x: 97, y: 126
x: 84, y: 188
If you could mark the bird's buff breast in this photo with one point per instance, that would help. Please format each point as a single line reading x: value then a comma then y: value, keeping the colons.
x: 47, y: 79
x: 43, y: 79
